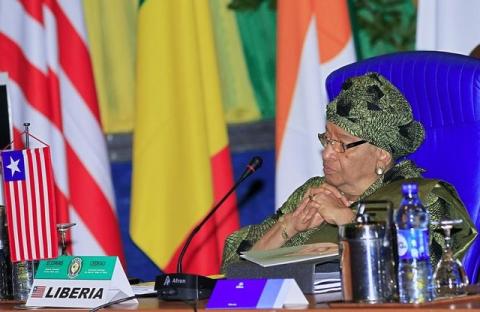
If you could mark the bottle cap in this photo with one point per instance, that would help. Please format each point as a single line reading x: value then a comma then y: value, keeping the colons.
x: 409, y: 188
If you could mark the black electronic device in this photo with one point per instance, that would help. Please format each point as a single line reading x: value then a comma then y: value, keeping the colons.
x: 181, y: 286
x: 303, y: 272
x: 184, y: 286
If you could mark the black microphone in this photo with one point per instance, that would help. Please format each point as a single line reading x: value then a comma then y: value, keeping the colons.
x: 184, y: 287
x: 254, y: 164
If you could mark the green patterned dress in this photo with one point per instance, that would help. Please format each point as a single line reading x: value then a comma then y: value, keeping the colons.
x: 440, y: 199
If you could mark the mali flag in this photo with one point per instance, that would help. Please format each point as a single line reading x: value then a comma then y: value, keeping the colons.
x: 181, y: 158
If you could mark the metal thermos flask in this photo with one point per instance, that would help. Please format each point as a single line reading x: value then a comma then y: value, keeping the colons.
x: 367, y: 263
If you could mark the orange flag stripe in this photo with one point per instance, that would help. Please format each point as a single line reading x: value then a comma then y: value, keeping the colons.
x: 333, y: 28
x: 292, y: 23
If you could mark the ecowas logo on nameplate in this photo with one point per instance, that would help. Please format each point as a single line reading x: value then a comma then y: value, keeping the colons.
x: 80, y: 282
x: 74, y: 267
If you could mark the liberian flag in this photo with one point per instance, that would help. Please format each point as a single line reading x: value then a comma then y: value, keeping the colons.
x: 30, y: 202
x: 314, y: 38
x: 44, y: 49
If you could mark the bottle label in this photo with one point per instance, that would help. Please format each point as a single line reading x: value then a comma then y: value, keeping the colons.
x: 412, y: 244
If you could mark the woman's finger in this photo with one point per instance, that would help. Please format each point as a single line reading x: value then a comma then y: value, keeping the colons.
x: 314, y: 221
x: 336, y: 192
x: 317, y: 220
x: 301, y: 207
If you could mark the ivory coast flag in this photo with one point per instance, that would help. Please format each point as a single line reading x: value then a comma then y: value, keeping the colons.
x: 314, y: 38
x: 181, y: 158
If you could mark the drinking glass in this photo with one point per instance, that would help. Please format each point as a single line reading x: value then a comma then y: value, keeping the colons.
x: 449, y: 278
x: 23, y: 273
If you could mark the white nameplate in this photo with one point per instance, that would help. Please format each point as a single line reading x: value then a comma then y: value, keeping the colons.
x: 79, y: 282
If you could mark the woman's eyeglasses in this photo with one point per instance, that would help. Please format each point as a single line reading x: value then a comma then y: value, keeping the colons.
x: 337, y: 146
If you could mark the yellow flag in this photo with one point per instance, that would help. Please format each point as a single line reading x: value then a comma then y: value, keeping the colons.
x: 111, y: 31
x: 181, y: 160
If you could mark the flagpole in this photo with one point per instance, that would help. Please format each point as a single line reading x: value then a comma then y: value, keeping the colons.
x: 31, y: 263
x: 24, y: 271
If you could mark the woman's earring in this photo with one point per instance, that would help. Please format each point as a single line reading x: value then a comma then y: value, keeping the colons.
x: 379, y: 170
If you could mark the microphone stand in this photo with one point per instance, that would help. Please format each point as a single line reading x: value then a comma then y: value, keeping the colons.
x: 185, y: 287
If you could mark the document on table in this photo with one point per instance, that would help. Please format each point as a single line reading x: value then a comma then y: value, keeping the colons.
x: 293, y: 254
x: 144, y: 290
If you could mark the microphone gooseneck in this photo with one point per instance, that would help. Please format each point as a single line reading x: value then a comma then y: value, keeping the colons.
x: 183, y: 286
x: 254, y: 164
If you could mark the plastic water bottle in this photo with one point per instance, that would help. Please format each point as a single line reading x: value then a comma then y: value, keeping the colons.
x: 414, y: 268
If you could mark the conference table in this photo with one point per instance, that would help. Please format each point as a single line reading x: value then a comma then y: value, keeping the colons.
x: 471, y: 302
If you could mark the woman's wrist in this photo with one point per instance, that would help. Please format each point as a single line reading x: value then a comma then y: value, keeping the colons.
x: 287, y: 226
x: 283, y: 228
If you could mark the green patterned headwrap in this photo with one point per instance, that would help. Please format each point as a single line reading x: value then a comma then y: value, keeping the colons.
x: 373, y: 109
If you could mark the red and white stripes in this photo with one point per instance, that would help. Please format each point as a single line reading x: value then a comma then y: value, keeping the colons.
x: 44, y: 50
x: 30, y: 204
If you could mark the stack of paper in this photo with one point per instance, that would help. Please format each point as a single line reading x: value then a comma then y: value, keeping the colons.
x: 313, y: 266
x: 328, y: 287
x: 327, y: 282
x: 294, y: 254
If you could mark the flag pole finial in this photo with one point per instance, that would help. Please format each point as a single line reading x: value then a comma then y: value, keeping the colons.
x: 27, y: 134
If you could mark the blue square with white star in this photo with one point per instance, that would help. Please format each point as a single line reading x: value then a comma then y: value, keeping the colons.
x: 13, y: 166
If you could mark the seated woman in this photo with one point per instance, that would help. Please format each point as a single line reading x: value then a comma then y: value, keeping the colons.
x: 369, y: 131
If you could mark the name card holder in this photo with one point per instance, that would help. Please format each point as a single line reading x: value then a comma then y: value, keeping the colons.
x: 256, y: 294
x: 79, y: 282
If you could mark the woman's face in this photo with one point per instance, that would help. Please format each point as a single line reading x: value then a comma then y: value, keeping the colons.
x: 354, y: 170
